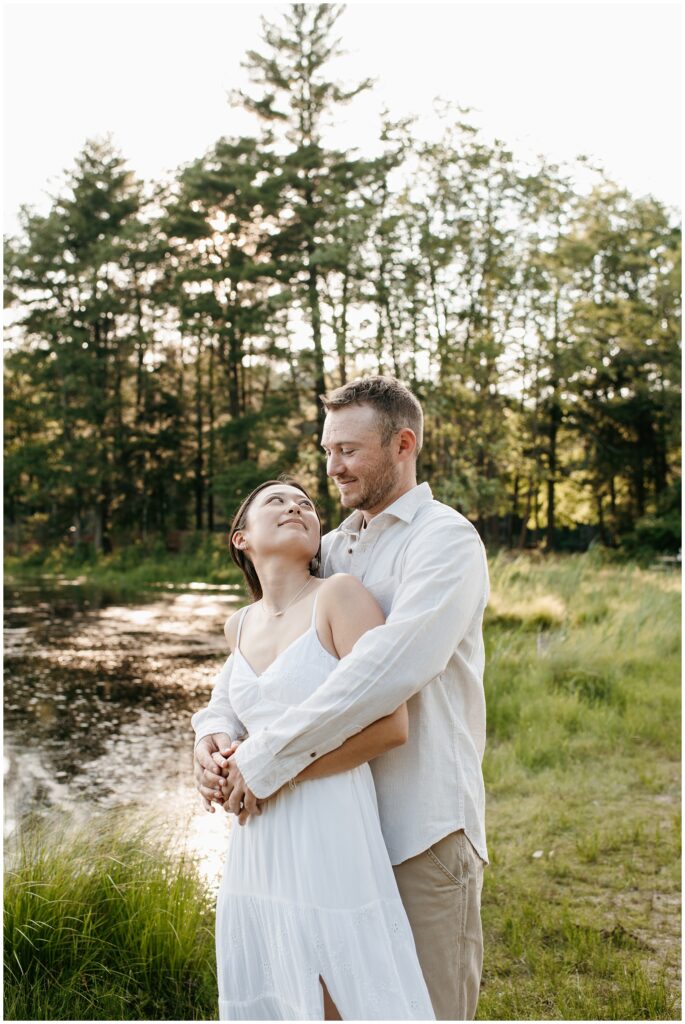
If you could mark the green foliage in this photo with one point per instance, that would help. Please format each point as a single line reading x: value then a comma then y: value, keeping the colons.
x: 131, y: 569
x: 170, y: 344
x: 102, y: 923
x: 659, y: 532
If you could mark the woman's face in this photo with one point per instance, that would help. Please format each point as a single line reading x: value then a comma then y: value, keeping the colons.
x: 281, y: 519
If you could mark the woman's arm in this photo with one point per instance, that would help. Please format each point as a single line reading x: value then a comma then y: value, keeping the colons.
x: 217, y: 728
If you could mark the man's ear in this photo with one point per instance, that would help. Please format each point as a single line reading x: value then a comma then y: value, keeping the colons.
x: 407, y: 442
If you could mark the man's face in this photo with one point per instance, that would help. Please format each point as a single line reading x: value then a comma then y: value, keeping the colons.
x: 366, y: 473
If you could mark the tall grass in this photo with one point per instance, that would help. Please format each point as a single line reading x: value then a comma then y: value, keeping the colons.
x: 102, y: 923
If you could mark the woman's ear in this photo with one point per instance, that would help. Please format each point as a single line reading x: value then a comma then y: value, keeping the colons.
x: 239, y: 540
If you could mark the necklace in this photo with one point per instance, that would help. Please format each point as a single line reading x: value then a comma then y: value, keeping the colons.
x: 276, y: 615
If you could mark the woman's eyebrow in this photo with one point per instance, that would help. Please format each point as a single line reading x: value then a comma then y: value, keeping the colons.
x: 286, y: 494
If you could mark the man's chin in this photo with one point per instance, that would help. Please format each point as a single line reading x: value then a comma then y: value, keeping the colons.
x: 349, y: 500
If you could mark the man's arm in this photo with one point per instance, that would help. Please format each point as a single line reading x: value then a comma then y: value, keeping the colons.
x: 375, y: 739
x: 444, y: 586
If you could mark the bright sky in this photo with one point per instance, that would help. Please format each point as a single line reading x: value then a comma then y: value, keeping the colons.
x: 553, y: 78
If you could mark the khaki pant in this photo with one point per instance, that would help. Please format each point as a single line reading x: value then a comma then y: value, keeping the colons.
x: 440, y: 890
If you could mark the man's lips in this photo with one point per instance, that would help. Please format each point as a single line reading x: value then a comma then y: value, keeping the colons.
x: 345, y: 483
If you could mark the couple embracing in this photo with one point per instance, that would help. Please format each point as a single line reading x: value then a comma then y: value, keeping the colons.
x: 346, y: 731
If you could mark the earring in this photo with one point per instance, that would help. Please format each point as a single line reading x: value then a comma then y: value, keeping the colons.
x: 314, y: 564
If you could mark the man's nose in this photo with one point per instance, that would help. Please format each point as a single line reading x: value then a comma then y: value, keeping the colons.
x: 333, y: 465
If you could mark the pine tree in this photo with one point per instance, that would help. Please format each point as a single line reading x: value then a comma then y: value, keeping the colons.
x: 296, y: 102
x: 67, y: 271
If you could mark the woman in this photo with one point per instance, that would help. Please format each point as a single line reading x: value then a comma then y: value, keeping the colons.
x: 310, y: 924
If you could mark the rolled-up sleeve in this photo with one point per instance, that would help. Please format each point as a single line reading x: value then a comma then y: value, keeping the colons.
x: 219, y: 715
x: 444, y: 585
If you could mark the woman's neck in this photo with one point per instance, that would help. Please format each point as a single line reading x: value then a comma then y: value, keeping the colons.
x: 281, y: 579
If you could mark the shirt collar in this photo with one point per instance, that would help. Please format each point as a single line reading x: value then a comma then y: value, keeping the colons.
x: 405, y: 508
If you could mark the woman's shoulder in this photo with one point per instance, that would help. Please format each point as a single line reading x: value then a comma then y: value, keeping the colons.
x: 343, y: 594
x: 342, y: 584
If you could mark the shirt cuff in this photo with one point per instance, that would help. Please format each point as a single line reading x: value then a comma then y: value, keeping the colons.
x: 261, y: 771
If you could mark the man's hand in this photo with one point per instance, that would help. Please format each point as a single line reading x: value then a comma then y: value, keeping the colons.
x: 239, y: 798
x: 210, y: 761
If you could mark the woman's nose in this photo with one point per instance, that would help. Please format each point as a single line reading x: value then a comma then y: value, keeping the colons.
x: 294, y: 507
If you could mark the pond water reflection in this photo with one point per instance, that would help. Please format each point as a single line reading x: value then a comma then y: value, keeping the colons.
x: 98, y: 697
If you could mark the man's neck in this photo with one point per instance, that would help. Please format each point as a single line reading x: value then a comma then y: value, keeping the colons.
x: 369, y: 514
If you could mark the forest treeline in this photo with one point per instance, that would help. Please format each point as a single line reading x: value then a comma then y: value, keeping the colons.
x: 169, y: 340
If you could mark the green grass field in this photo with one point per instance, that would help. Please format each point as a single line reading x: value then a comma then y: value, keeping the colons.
x: 581, y: 902
x: 581, y: 905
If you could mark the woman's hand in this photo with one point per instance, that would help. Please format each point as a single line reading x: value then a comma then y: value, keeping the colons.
x: 221, y: 756
x: 225, y: 792
x: 208, y: 766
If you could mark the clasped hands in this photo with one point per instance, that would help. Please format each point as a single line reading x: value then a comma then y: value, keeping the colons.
x: 219, y: 780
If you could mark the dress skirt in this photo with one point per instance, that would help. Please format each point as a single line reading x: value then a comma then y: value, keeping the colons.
x: 308, y: 893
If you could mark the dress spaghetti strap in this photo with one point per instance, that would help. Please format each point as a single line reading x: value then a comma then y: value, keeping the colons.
x: 240, y: 624
x: 313, y: 622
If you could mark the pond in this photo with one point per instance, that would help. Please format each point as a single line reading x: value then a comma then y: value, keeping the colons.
x: 98, y: 694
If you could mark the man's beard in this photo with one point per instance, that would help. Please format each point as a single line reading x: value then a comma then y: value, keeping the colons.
x: 384, y: 482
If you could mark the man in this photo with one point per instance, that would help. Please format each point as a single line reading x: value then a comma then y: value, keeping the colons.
x: 425, y: 565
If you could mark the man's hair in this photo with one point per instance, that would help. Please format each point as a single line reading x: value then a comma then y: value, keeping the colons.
x: 395, y: 405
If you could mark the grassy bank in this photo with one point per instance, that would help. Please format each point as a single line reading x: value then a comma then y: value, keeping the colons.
x: 581, y: 902
x: 105, y: 924
x: 132, y: 568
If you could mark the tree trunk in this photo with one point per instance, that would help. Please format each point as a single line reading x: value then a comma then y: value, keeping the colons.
x: 235, y: 395
x: 210, y: 454
x: 198, y: 481
x: 599, y: 500
x: 550, y: 543
x: 324, y: 498
x: 526, y: 516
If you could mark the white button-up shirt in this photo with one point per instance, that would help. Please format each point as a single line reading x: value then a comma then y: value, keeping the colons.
x: 425, y: 564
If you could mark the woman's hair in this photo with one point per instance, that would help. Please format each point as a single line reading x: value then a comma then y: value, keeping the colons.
x: 240, y: 558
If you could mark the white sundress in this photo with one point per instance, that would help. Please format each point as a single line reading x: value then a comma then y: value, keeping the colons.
x: 308, y: 890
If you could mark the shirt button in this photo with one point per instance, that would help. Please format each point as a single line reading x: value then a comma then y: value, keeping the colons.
x: 313, y: 755
x: 349, y: 551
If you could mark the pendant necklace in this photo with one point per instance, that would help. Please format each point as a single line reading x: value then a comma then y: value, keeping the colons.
x: 276, y: 615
